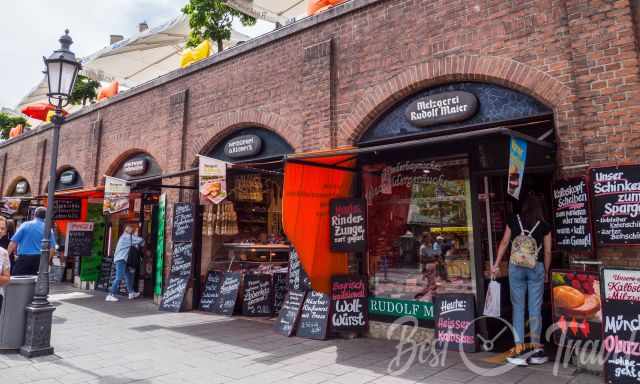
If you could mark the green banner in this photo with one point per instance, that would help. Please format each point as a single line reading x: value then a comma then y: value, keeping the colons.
x: 90, y: 266
x: 162, y: 203
x: 398, y: 308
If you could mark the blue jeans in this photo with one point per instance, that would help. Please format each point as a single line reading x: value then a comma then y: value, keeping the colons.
x: 521, y: 279
x: 121, y: 271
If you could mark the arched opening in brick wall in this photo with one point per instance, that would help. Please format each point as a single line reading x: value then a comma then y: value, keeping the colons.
x: 19, y: 186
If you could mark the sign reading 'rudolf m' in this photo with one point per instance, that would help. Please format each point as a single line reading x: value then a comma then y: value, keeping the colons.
x: 441, y: 108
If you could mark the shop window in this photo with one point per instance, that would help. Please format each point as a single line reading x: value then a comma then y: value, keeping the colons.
x: 420, y: 229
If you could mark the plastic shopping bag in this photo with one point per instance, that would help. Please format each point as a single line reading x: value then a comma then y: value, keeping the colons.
x: 492, y: 302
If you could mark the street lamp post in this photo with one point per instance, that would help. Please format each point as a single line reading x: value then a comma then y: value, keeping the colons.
x: 62, y: 70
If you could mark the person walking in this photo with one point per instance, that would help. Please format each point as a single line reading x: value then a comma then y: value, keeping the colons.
x: 127, y: 240
x: 529, y: 234
x: 27, y: 242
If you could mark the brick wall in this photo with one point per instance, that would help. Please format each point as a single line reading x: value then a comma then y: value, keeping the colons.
x: 323, y: 81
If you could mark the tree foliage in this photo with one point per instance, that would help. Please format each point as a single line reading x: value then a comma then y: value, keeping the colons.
x: 84, y: 90
x: 212, y: 20
x: 7, y: 122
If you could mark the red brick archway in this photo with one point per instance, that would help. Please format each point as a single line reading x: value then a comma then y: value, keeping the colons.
x: 223, y: 126
x: 502, y: 71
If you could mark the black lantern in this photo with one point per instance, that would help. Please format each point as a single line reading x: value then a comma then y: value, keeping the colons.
x: 62, y: 71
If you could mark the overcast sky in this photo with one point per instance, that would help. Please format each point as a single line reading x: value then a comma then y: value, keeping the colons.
x: 30, y: 29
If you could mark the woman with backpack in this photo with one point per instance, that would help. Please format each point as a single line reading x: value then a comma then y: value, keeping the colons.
x: 530, y: 237
x: 128, y: 246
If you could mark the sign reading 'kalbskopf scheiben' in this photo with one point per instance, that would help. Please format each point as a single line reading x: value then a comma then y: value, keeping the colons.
x: 447, y: 107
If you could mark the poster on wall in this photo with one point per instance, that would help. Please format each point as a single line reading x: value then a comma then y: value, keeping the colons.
x: 212, y: 175
x: 571, y: 214
x: 620, y: 292
x: 347, y: 225
x: 616, y: 205
x: 517, y: 159
x: 576, y: 308
x: 116, y: 195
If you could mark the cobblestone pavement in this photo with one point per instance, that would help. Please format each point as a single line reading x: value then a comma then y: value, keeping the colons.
x: 132, y: 342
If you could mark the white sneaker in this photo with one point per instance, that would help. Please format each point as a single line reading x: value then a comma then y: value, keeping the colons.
x: 134, y: 295
x: 111, y: 298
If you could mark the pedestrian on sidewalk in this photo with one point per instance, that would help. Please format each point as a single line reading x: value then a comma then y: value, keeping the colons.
x: 27, y: 242
x: 127, y: 240
x: 5, y: 266
x: 530, y: 236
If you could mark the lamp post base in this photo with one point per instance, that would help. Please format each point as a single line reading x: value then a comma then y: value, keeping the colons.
x: 37, y: 334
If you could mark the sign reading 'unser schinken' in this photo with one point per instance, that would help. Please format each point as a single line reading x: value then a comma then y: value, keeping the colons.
x: 447, y: 107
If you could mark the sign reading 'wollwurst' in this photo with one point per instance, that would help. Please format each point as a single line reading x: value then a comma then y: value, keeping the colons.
x: 447, y: 107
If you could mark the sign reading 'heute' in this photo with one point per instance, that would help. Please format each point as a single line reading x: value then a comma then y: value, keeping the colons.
x: 447, y: 107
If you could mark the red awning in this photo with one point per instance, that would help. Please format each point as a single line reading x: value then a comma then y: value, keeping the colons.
x: 309, y: 185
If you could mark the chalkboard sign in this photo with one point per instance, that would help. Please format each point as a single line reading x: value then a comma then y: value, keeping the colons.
x: 180, y: 273
x: 616, y: 205
x: 67, y: 209
x: 78, y: 240
x: 620, y: 292
x: 298, y: 278
x: 280, y: 287
x: 454, y: 316
x: 571, y: 214
x: 347, y: 225
x: 257, y: 299
x: 229, y: 293
x: 289, y: 313
x: 210, y: 297
x: 105, y: 273
x: 315, y: 316
x: 183, y: 219
x: 349, y: 304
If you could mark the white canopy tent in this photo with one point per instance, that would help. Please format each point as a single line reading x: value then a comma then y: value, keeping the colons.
x: 136, y: 60
x: 275, y: 11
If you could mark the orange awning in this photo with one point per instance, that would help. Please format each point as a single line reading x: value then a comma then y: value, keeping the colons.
x: 309, y: 185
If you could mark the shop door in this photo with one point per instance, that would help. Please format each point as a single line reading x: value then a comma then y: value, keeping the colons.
x: 148, y: 231
x: 496, y: 207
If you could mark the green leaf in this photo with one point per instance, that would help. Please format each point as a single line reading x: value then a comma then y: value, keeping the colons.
x: 212, y: 20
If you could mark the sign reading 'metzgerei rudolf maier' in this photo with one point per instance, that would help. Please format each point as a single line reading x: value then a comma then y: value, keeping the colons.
x: 620, y: 295
x: 571, y: 214
x: 348, y: 225
x: 447, y: 107
x: 616, y: 204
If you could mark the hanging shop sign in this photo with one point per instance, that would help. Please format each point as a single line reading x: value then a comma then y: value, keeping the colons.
x: 616, y: 204
x: 314, y: 318
x: 575, y: 303
x: 116, y: 195
x: 620, y: 292
x: 347, y: 222
x: 68, y: 177
x: 243, y: 146
x: 349, y: 304
x: 136, y: 166
x: 455, y: 326
x: 517, y: 160
x: 571, y: 214
x: 289, y: 314
x: 67, y: 209
x: 212, y: 174
x: 441, y: 108
x: 22, y: 188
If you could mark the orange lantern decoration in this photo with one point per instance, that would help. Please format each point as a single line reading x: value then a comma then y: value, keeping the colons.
x: 39, y: 111
x: 316, y: 6
x: 108, y: 90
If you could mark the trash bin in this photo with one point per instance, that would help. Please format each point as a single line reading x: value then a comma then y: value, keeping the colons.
x: 14, y: 297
